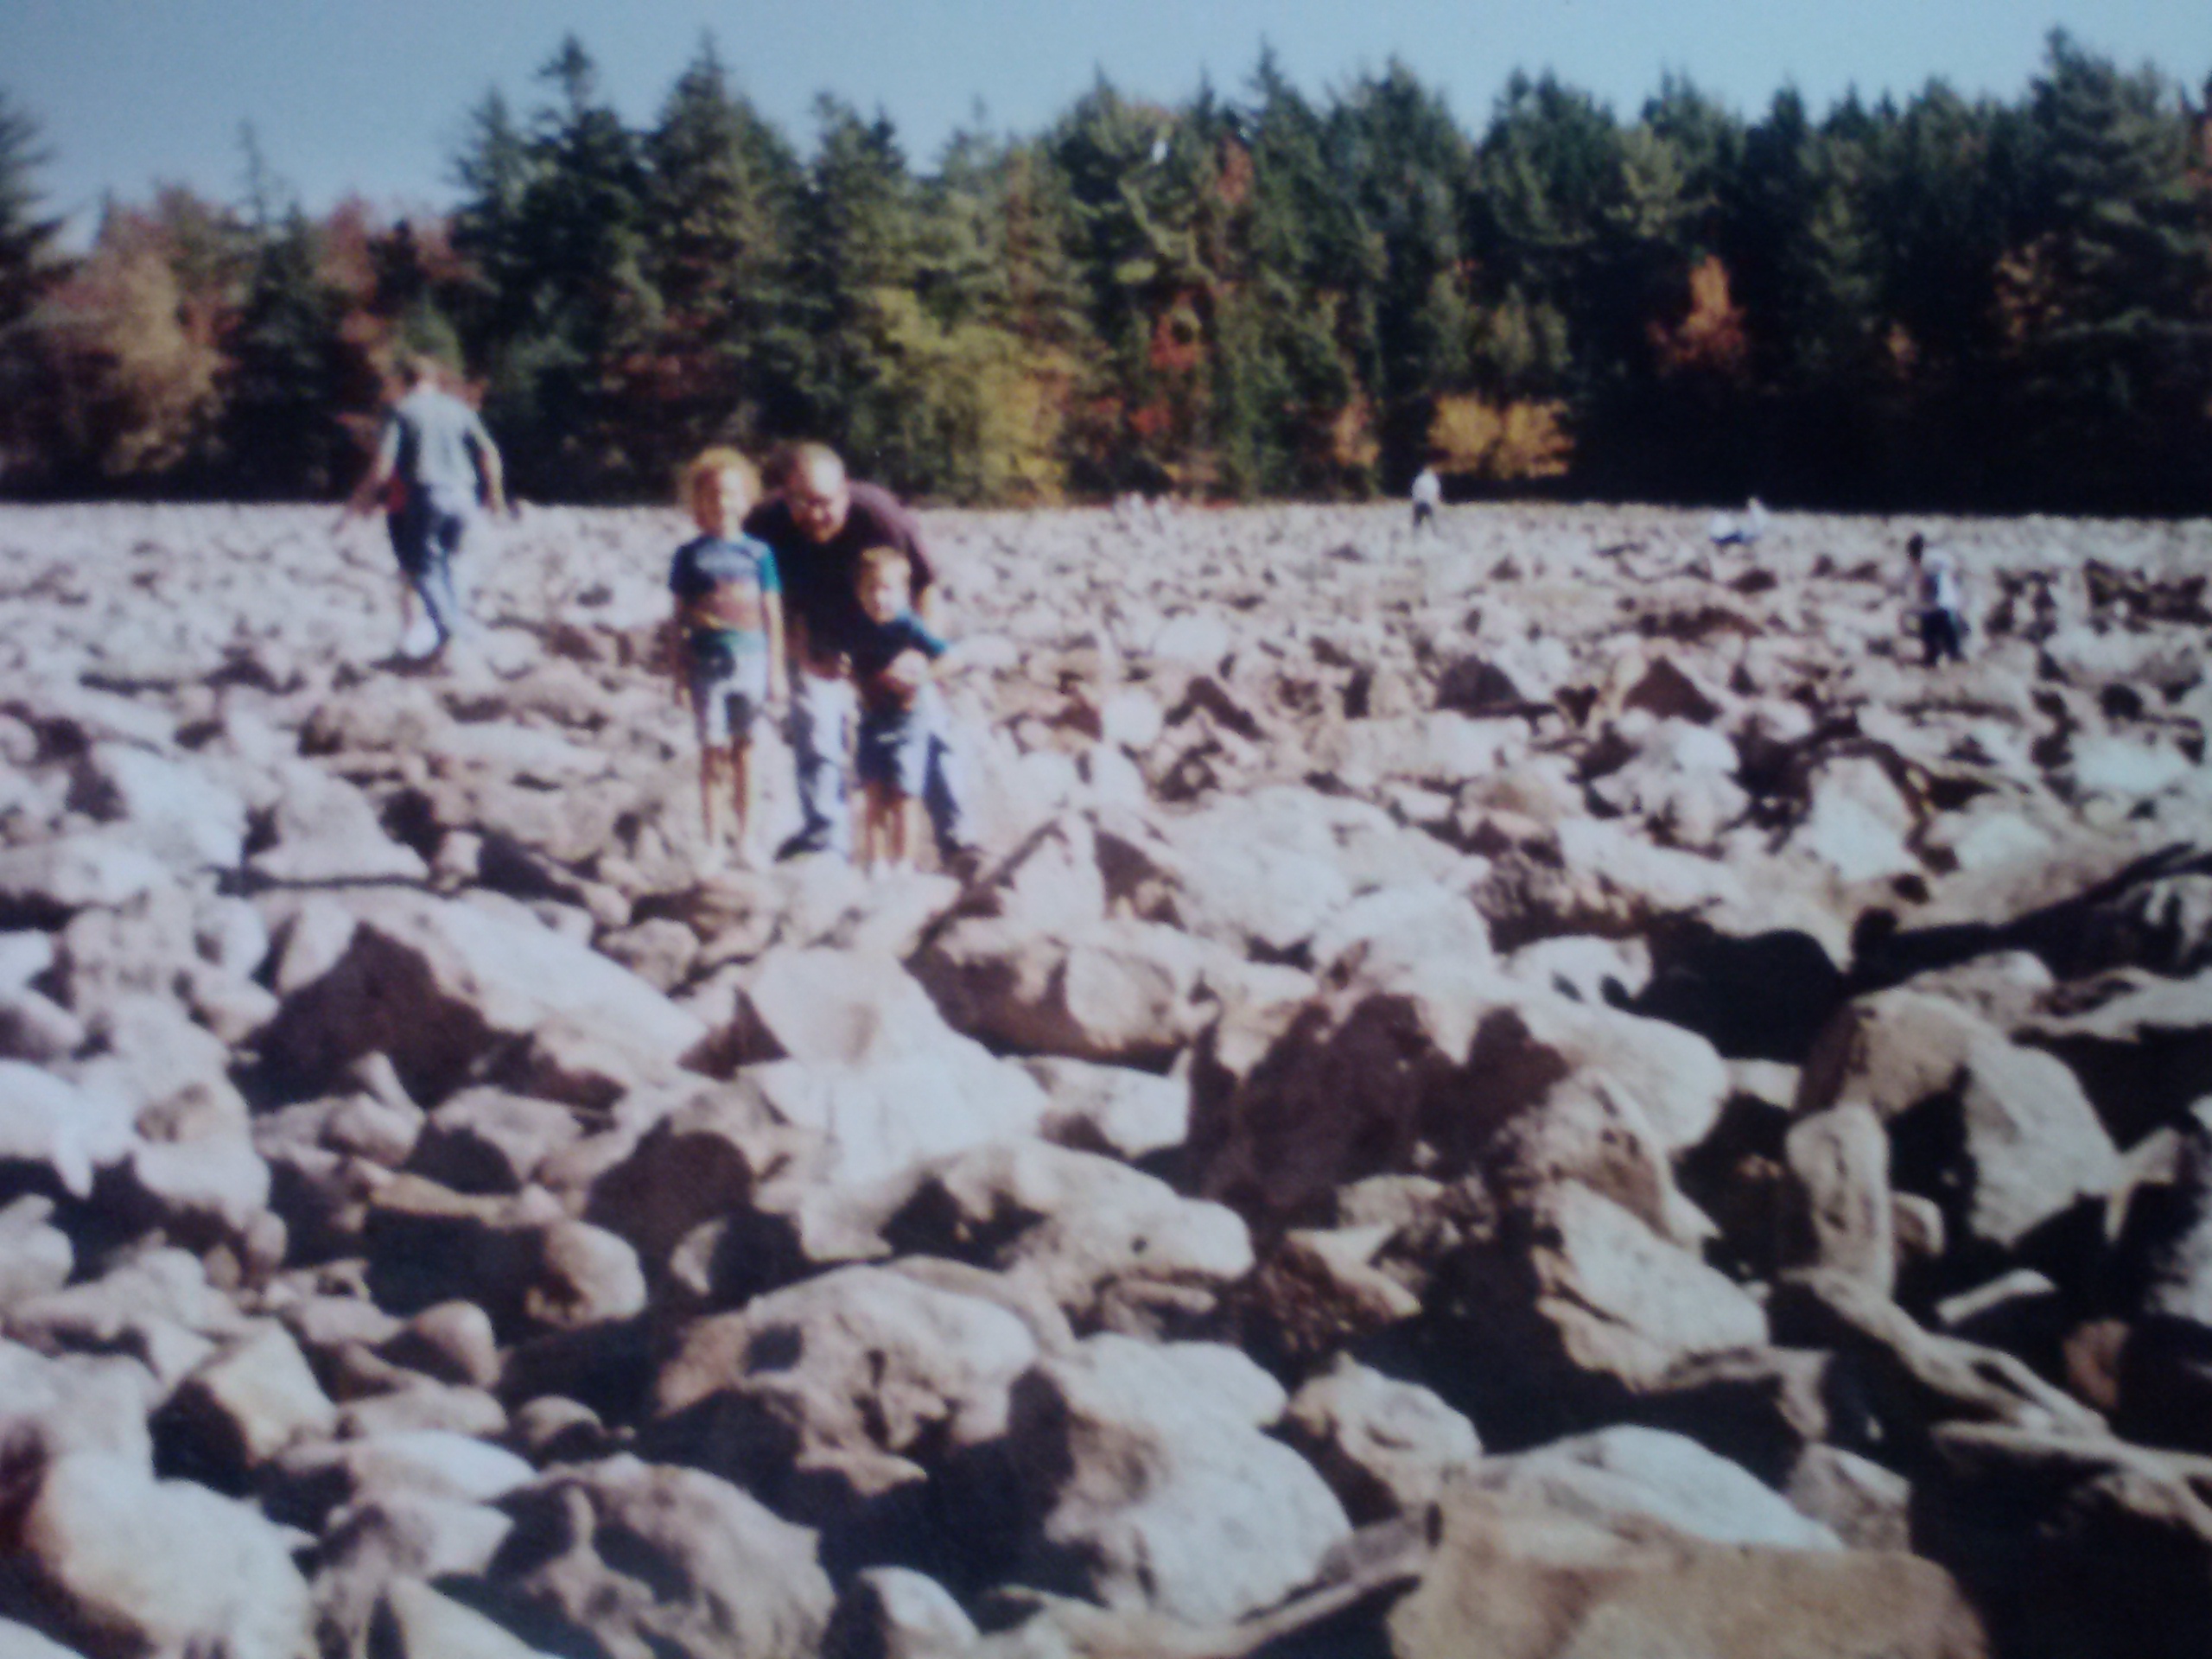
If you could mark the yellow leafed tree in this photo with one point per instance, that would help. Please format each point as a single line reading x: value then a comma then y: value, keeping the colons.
x: 1472, y: 437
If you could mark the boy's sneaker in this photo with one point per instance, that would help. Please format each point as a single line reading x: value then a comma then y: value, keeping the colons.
x: 963, y: 862
x: 802, y: 843
x: 420, y: 641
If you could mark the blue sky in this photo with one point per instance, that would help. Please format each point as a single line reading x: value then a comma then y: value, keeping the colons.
x: 372, y: 98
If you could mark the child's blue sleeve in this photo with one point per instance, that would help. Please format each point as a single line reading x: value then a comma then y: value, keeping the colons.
x: 772, y: 581
x: 923, y: 641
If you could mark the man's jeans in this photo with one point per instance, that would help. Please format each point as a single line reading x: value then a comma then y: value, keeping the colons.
x: 425, y: 537
x: 823, y: 712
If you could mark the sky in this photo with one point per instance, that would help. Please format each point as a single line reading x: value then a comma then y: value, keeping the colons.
x: 346, y: 96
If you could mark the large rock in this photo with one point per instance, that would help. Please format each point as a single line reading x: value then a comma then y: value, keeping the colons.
x: 1679, y: 783
x: 893, y: 1612
x: 2001, y: 1135
x: 242, y: 1408
x: 2166, y: 1377
x: 306, y: 1486
x: 1841, y: 1215
x: 323, y: 829
x: 35, y: 1256
x: 704, y: 1162
x: 437, y: 987
x: 1577, y: 1306
x: 834, y: 1397
x: 1257, y: 897
x: 1115, y: 1109
x: 1425, y: 1074
x: 827, y: 1006
x: 158, y: 1307
x: 46, y: 883
x: 532, y: 1269
x: 1116, y: 992
x: 873, y: 1118
x: 177, y: 811
x: 1916, y: 1377
x: 1619, y: 1476
x: 2073, y: 1544
x: 115, y: 1563
x: 2142, y: 1047
x: 488, y: 1141
x: 50, y: 1407
x: 369, y: 1550
x: 1856, y: 822
x: 640, y: 1562
x: 1597, y: 877
x: 413, y: 1621
x: 1153, y: 1488
x: 1113, y: 1248
x: 1517, y: 1580
x: 1386, y: 1447
x: 57, y: 1134
x: 1381, y: 935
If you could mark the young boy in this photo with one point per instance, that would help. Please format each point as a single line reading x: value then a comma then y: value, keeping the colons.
x: 1940, y: 600
x: 902, y: 719
x: 726, y: 637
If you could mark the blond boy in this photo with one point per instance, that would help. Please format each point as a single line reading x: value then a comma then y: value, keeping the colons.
x: 726, y: 636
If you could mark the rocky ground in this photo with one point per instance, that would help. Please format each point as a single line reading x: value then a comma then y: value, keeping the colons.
x: 1542, y: 1090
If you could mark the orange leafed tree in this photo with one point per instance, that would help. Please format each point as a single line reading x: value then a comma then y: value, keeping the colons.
x: 1710, y: 338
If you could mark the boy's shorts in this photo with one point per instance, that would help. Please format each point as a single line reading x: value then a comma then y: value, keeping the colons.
x: 893, y: 748
x: 727, y: 704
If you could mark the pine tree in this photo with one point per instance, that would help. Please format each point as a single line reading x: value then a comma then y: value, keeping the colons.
x: 722, y: 187
x: 285, y: 387
x: 575, y: 309
x: 1403, y: 163
x: 27, y: 268
x: 2102, y: 294
x: 854, y: 255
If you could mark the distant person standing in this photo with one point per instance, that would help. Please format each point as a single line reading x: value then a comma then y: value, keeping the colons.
x: 1427, y: 496
x: 434, y: 464
x: 818, y: 524
x: 1939, y: 600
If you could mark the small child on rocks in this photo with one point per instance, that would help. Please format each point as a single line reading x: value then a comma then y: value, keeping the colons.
x: 902, y: 721
x: 1939, y: 600
x: 726, y: 636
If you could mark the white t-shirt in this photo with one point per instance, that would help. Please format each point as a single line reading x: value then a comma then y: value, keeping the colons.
x: 1937, y: 581
x: 1428, y: 489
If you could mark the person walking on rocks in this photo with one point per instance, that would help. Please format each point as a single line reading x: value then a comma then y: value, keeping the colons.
x: 818, y: 524
x: 726, y: 637
x: 1939, y: 601
x: 1427, y: 496
x: 435, y: 463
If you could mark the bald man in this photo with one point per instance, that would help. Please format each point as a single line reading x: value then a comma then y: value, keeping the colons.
x: 819, y: 522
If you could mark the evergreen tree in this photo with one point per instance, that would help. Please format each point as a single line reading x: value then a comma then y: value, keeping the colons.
x: 2103, y: 293
x: 1403, y: 163
x: 494, y: 169
x: 854, y: 247
x: 27, y: 269
x: 1291, y: 332
x: 721, y: 191
x: 594, y: 308
x: 285, y: 389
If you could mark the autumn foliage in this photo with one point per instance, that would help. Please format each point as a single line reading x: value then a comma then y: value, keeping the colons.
x: 1933, y: 302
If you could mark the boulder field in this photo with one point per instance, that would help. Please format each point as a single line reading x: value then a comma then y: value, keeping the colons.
x: 1538, y: 1090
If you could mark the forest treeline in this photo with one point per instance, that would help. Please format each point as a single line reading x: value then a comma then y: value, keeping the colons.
x: 1940, y: 303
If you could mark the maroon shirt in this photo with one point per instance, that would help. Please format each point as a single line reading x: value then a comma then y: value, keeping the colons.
x: 820, y: 578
